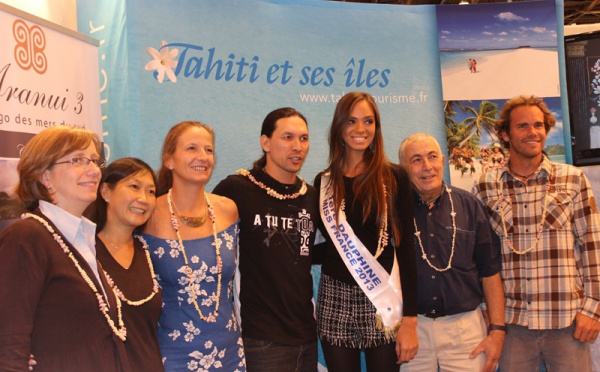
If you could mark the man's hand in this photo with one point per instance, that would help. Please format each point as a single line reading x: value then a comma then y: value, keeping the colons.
x: 407, y: 342
x: 586, y: 328
x: 492, y: 347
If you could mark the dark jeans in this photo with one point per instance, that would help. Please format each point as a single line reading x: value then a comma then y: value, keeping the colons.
x: 268, y: 356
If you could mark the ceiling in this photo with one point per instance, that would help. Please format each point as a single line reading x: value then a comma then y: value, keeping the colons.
x: 576, y: 11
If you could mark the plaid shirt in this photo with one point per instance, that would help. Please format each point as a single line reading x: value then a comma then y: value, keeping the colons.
x: 546, y: 287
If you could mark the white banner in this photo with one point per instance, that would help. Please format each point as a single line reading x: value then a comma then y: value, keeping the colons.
x: 48, y: 77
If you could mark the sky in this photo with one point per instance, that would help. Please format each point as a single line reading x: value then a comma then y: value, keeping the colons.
x: 505, y: 26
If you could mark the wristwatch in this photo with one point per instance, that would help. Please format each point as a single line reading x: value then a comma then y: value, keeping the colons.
x: 496, y: 327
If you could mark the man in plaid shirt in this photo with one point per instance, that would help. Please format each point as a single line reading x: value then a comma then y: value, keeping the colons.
x: 548, y: 222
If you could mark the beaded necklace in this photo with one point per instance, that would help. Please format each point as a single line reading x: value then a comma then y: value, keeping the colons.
x: 382, y: 241
x: 120, y: 332
x: 517, y: 175
x: 211, y: 318
x: 270, y: 191
x: 418, y: 235
x: 540, y: 227
x: 120, y: 294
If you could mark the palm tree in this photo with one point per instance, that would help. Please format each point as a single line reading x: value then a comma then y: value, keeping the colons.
x: 450, y: 111
x: 481, y: 119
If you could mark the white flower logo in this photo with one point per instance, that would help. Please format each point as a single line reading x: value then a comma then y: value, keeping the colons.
x: 163, y: 62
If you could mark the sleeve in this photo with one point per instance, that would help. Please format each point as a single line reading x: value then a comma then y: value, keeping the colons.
x: 319, y: 247
x: 487, y: 245
x: 587, y: 242
x: 225, y: 188
x: 405, y: 252
x: 22, y: 282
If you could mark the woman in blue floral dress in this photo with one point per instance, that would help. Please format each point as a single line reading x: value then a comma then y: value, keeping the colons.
x: 192, y: 238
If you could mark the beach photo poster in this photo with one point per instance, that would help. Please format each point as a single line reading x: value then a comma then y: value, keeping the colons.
x: 473, y: 145
x: 488, y: 54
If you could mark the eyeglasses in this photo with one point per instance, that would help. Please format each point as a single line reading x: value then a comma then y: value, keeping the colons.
x: 79, y: 161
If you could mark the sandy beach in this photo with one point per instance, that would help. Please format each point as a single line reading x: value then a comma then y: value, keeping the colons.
x: 466, y: 180
x: 504, y: 75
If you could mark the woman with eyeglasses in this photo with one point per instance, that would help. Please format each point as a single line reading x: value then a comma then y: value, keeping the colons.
x: 55, y: 301
x: 125, y: 202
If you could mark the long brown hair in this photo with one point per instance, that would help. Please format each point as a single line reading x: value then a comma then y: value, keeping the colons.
x: 368, y: 186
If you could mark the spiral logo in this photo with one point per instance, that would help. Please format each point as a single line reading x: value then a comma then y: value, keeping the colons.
x: 29, y: 50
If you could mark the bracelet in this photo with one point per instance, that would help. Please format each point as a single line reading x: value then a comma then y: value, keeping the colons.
x: 496, y: 327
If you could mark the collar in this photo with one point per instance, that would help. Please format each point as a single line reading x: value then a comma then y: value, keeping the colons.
x: 68, y: 224
x: 543, y: 170
x: 420, y: 202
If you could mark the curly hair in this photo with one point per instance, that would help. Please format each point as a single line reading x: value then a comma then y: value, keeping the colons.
x: 502, y: 124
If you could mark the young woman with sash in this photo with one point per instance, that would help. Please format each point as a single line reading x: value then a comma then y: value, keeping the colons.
x: 366, y: 213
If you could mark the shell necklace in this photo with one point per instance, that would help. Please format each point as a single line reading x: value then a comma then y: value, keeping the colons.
x: 120, y: 294
x: 270, y: 191
x: 418, y: 235
x: 120, y: 332
x: 211, y: 318
x: 540, y: 227
x: 382, y: 241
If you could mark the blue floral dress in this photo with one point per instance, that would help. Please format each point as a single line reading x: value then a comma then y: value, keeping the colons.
x: 187, y: 342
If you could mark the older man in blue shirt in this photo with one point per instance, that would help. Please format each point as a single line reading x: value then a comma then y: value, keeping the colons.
x: 458, y: 266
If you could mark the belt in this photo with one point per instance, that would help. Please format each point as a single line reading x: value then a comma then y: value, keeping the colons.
x: 433, y: 314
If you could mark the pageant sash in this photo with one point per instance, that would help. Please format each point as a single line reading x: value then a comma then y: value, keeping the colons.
x: 382, y: 289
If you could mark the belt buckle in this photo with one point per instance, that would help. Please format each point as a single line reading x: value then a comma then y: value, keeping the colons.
x: 433, y: 314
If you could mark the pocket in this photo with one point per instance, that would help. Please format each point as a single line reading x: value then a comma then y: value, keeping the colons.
x: 251, y: 344
x: 498, y: 209
x: 558, y: 212
x: 463, y: 249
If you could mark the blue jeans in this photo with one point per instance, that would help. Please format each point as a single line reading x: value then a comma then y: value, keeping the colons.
x: 526, y: 350
x: 268, y: 356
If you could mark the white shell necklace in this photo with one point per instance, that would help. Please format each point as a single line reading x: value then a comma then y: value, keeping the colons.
x: 121, y: 332
x: 270, y: 191
x: 540, y: 227
x: 418, y: 235
x: 212, y: 317
x: 120, y: 294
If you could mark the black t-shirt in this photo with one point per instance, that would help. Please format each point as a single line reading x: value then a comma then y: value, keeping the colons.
x: 276, y: 246
x: 368, y: 233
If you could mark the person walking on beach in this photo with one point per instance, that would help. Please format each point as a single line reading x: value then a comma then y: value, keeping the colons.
x: 470, y: 64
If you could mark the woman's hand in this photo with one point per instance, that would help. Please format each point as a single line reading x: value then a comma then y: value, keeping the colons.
x: 407, y: 342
